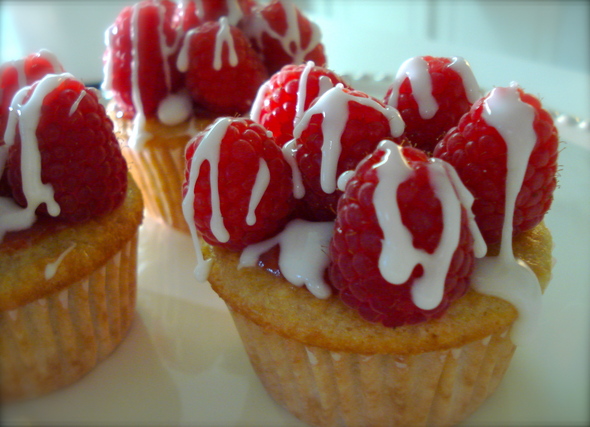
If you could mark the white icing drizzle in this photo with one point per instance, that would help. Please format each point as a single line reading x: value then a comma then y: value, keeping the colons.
x: 291, y: 40
x: 76, y: 103
x: 175, y: 108
x: 303, y: 256
x: 289, y: 150
x: 51, y: 268
x: 259, y: 101
x: 260, y: 186
x: 399, y: 257
x: 234, y: 10
x: 139, y: 135
x: 505, y: 276
x: 470, y: 85
x: 416, y: 69
x: 12, y: 216
x: 209, y: 150
x: 333, y: 106
x: 224, y: 38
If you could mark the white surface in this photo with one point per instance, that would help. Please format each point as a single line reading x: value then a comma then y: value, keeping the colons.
x: 183, y: 362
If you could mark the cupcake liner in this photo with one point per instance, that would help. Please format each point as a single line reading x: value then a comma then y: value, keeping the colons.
x: 327, y: 388
x: 52, y: 342
x: 159, y: 173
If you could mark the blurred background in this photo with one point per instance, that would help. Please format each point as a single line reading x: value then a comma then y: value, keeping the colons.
x: 538, y: 39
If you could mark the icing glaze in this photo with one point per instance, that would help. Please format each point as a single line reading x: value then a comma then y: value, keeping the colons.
x: 291, y: 40
x: 303, y: 256
x: 289, y: 150
x: 175, y: 109
x: 234, y: 11
x: 399, y: 257
x: 505, y: 276
x: 209, y: 150
x: 333, y: 106
x: 51, y: 268
x: 12, y: 216
x: 416, y: 70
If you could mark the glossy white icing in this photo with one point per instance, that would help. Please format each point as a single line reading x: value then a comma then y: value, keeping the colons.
x: 175, y: 109
x: 224, y: 38
x: 51, y: 268
x: 303, y: 256
x: 291, y: 40
x: 259, y: 101
x: 209, y: 151
x: 12, y: 216
x: 333, y: 106
x: 505, y: 276
x: 470, y: 85
x: 416, y: 70
x: 234, y: 10
x: 260, y: 186
x: 289, y: 150
x: 399, y: 257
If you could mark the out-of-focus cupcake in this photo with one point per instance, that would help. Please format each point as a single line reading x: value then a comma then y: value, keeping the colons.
x: 69, y: 218
x: 172, y: 68
x: 367, y: 294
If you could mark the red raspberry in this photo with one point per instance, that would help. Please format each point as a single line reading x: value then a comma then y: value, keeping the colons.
x: 235, y: 149
x: 140, y: 59
x: 359, y: 238
x: 368, y: 122
x: 478, y: 152
x: 278, y: 99
x: 223, y: 71
x: 452, y: 100
x: 271, y: 31
x: 14, y: 75
x: 192, y: 13
x: 80, y: 155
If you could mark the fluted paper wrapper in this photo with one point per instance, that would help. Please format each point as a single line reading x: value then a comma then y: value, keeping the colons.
x: 52, y: 342
x: 326, y: 388
x: 159, y: 173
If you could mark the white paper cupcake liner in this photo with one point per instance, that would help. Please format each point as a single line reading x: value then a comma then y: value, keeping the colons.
x: 52, y: 342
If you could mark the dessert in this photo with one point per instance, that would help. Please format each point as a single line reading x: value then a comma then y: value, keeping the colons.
x: 69, y: 219
x: 171, y: 68
x: 400, y: 305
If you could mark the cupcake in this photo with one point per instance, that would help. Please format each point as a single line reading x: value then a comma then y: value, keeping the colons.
x: 170, y: 69
x: 69, y: 219
x: 388, y: 287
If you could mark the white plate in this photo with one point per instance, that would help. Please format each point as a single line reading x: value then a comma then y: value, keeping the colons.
x: 183, y: 362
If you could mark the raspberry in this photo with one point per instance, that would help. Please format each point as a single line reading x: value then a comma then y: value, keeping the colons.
x: 428, y: 116
x: 273, y: 33
x: 80, y: 155
x: 287, y: 94
x: 14, y: 75
x: 240, y: 211
x: 323, y: 157
x: 223, y: 71
x: 140, y: 59
x: 192, y: 13
x: 478, y: 151
x: 360, y: 238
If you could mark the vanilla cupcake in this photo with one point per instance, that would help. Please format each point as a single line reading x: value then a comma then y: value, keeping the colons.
x: 170, y: 69
x: 69, y: 220
x: 398, y: 310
